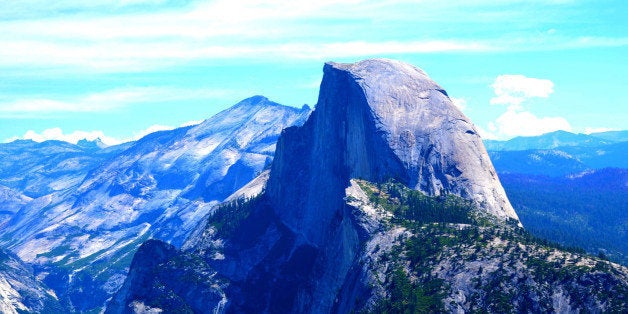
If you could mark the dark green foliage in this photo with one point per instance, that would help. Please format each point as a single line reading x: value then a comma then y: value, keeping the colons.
x: 229, y: 216
x: 497, y: 299
x: 409, y: 205
x: 406, y: 297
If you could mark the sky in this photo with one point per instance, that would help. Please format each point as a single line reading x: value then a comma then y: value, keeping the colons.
x: 120, y: 69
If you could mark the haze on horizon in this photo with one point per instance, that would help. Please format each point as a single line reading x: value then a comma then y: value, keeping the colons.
x: 117, y: 69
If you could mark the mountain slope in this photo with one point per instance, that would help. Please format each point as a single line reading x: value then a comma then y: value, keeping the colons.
x: 554, y: 162
x: 474, y: 266
x: 418, y: 254
x: 11, y: 201
x: 561, y: 161
x: 559, y: 153
x: 159, y: 187
x: 573, y: 195
x: 20, y: 291
x: 587, y: 210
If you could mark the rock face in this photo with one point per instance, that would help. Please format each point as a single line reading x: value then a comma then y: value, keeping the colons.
x: 185, y: 271
x: 377, y: 120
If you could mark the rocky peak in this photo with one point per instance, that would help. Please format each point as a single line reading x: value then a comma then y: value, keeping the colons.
x: 379, y: 119
x: 94, y: 144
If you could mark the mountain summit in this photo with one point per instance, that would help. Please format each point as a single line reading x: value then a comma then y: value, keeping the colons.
x: 376, y: 120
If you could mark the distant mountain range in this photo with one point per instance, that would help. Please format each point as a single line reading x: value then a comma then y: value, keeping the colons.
x: 588, y: 210
x: 560, y: 153
x: 557, y: 139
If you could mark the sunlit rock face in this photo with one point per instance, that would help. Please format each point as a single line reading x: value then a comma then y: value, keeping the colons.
x: 379, y: 119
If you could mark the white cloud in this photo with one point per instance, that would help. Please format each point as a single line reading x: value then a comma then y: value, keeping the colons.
x: 515, y: 89
x: 51, y: 105
x: 159, y: 127
x: 139, y: 55
x: 191, y: 123
x: 151, y: 129
x: 518, y: 120
x: 248, y: 29
x: 524, y: 123
x: 461, y: 103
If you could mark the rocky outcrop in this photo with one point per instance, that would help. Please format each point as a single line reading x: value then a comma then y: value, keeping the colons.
x: 190, y: 287
x: 377, y: 120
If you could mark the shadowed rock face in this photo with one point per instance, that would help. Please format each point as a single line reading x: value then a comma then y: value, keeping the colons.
x: 379, y: 119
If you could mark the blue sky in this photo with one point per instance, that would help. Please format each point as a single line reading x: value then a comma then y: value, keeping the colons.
x: 118, y: 69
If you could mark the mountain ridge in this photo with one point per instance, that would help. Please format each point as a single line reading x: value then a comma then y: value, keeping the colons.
x: 557, y: 139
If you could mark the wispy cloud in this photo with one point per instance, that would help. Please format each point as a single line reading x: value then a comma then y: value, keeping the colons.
x: 134, y: 56
x: 254, y: 30
x: 104, y: 101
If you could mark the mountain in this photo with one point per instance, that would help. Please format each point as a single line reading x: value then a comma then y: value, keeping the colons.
x: 561, y: 161
x: 94, y: 144
x: 606, y: 156
x: 82, y: 236
x: 377, y: 120
x: 21, y: 291
x: 547, y: 141
x: 559, y: 153
x: 383, y: 201
x: 555, y: 163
